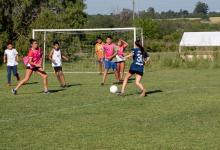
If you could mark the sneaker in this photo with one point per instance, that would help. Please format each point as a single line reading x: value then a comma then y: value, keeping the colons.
x: 102, y: 84
x: 47, y: 92
x: 14, y: 91
x: 63, y: 86
x: 120, y: 94
x: 143, y: 94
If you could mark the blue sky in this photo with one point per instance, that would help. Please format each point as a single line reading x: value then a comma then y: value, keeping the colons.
x: 108, y: 6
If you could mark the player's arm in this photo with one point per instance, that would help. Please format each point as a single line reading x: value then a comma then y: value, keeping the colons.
x: 96, y: 49
x: 50, y: 55
x: 115, y: 53
x: 5, y: 58
x: 102, y: 48
x: 64, y: 57
x: 147, y: 58
x: 17, y: 58
x: 129, y: 55
x: 125, y: 44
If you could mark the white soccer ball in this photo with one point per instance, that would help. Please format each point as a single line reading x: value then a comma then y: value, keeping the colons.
x: 113, y: 89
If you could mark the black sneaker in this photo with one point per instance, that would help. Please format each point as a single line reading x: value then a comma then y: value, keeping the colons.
x: 102, y: 84
x: 14, y: 91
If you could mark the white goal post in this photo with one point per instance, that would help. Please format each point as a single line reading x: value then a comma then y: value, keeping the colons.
x: 136, y: 32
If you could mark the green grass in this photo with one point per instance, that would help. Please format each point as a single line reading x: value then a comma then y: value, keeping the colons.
x: 186, y: 115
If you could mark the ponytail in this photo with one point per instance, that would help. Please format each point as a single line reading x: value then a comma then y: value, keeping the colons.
x: 139, y: 45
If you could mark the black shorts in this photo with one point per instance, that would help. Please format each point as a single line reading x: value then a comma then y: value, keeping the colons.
x: 136, y: 72
x: 36, y: 69
x: 119, y: 62
x: 58, y: 69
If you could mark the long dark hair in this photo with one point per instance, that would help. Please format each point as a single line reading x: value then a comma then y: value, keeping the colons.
x: 138, y: 43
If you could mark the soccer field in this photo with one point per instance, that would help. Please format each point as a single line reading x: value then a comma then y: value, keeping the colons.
x: 182, y: 111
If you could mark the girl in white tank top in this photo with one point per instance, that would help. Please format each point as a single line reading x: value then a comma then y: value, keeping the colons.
x: 57, y: 58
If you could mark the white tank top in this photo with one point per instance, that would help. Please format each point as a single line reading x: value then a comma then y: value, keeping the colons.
x: 57, y: 59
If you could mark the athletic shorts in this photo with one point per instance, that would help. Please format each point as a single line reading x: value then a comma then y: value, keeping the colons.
x: 109, y: 64
x: 119, y: 62
x: 58, y: 69
x: 36, y: 69
x: 136, y: 72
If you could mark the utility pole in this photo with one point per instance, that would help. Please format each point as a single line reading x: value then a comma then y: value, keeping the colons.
x: 133, y: 9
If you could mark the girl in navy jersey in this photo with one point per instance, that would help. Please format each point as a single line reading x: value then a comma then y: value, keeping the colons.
x: 140, y: 57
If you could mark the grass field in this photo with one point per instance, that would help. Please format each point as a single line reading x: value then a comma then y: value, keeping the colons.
x: 182, y: 112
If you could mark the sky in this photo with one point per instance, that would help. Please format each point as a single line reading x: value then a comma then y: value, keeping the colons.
x: 109, y: 6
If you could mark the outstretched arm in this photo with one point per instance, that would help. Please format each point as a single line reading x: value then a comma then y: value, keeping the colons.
x: 129, y: 55
x: 65, y: 58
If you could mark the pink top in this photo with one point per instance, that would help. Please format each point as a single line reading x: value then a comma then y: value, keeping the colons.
x: 121, y: 50
x: 36, y: 56
x: 109, y: 49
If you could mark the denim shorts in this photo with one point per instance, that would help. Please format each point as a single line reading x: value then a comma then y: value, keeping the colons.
x: 109, y: 64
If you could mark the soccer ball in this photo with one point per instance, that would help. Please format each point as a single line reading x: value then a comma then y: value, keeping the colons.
x: 113, y: 89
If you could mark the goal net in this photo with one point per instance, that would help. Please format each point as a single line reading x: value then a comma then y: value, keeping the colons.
x: 79, y: 45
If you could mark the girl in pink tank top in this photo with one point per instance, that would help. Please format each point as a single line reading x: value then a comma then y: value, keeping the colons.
x: 120, y: 58
x: 34, y: 65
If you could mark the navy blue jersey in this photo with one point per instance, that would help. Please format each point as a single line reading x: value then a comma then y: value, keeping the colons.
x: 138, y: 60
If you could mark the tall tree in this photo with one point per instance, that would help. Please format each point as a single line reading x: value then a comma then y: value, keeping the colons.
x: 201, y: 8
x: 18, y: 17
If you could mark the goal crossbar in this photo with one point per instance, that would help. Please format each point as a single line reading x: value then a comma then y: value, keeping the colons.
x: 45, y: 31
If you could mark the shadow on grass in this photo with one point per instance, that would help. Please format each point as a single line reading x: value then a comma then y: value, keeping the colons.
x: 148, y: 93
x: 56, y: 91
x: 71, y: 85
x: 30, y: 83
x: 154, y: 91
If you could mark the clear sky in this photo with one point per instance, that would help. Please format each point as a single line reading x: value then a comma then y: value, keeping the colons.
x: 108, y: 6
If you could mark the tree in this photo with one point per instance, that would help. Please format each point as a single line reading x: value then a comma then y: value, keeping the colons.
x: 150, y: 27
x: 18, y: 17
x: 201, y: 9
x: 151, y: 12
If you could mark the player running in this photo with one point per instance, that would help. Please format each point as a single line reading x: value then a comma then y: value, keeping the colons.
x: 56, y: 57
x: 34, y: 64
x: 140, y: 58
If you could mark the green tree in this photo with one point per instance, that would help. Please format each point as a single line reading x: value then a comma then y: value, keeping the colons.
x: 150, y: 27
x: 19, y: 17
x: 201, y: 9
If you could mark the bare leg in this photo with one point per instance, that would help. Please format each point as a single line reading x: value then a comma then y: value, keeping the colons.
x: 139, y: 85
x: 26, y: 78
x: 100, y: 67
x: 118, y: 71
x: 45, y: 80
x: 122, y: 69
x: 125, y: 82
x: 58, y: 77
x: 116, y: 75
x: 104, y: 76
x: 62, y: 78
